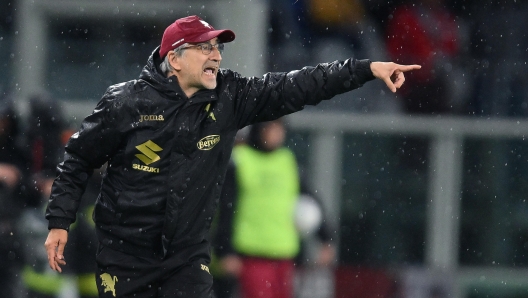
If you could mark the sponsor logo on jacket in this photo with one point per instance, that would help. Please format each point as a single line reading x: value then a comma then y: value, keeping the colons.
x: 148, y: 156
x: 207, y: 143
x: 109, y: 282
x: 151, y: 118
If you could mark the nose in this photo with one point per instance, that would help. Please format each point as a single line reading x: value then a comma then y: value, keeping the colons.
x: 215, y: 55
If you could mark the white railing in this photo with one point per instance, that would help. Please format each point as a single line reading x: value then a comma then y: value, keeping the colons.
x: 443, y: 214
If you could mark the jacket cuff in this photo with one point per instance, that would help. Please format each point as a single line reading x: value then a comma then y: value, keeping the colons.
x: 363, y: 71
x: 59, y: 223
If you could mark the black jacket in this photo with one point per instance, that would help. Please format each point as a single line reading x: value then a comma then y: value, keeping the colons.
x: 167, y: 154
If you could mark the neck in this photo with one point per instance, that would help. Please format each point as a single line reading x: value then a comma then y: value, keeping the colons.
x: 189, y: 91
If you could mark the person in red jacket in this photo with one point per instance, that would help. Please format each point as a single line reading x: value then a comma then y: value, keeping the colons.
x: 426, y: 32
x: 167, y: 138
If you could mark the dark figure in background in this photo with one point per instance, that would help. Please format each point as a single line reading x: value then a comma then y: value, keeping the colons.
x: 167, y: 138
x: 303, y: 30
x: 426, y: 32
x: 13, y: 194
x: 45, y: 124
x: 257, y: 240
x: 47, y: 131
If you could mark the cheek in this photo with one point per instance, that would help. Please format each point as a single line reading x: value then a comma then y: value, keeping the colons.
x: 195, y: 70
x: 187, y: 66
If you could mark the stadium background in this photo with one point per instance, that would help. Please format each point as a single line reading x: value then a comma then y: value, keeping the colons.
x: 421, y: 201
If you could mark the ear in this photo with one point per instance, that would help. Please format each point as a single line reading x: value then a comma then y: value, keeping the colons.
x: 174, y: 60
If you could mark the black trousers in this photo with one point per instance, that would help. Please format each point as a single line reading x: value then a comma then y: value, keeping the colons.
x: 182, y: 273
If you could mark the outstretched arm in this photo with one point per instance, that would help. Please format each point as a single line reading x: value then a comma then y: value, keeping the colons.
x: 391, y: 73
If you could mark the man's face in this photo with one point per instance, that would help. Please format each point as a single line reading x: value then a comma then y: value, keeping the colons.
x: 273, y: 135
x: 196, y: 70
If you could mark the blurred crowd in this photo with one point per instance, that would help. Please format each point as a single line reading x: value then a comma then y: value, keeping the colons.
x: 473, y: 53
x: 29, y: 153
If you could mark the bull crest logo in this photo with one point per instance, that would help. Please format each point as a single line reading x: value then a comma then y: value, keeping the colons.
x: 109, y: 283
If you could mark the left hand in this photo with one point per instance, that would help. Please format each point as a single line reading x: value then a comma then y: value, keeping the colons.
x: 391, y: 73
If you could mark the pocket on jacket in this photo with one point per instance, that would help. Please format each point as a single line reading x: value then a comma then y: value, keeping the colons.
x: 104, y: 211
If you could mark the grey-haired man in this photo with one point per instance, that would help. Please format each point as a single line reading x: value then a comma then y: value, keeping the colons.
x: 167, y: 139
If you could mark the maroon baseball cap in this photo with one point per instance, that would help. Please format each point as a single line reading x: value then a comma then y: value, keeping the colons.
x: 191, y: 29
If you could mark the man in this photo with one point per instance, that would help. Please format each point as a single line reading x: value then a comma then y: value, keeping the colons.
x: 167, y: 139
x: 258, y: 239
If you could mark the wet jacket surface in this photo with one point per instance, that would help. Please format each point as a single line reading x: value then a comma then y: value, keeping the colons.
x: 167, y: 154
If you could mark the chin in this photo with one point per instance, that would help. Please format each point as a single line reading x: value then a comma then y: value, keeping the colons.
x: 210, y: 86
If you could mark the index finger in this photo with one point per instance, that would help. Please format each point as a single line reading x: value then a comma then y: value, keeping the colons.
x: 409, y: 67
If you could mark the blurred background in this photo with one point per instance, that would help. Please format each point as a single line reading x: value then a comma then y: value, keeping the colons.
x: 427, y: 187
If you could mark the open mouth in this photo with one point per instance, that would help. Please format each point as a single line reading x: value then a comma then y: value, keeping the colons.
x: 210, y: 71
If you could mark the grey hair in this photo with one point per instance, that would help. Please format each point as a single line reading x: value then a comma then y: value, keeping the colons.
x: 165, y: 65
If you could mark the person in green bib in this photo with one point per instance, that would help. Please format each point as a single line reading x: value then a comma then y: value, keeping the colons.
x: 258, y: 240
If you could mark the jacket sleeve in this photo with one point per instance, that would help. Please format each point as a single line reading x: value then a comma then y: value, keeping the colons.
x: 278, y: 94
x: 87, y: 149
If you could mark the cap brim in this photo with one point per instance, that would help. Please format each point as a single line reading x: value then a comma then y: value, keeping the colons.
x: 224, y: 36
